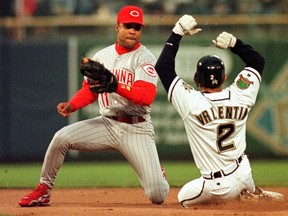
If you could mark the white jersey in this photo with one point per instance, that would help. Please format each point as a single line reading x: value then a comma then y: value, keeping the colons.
x: 134, y: 140
x: 216, y: 122
x: 128, y: 68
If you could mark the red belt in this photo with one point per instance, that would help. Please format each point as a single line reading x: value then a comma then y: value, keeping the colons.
x: 128, y: 120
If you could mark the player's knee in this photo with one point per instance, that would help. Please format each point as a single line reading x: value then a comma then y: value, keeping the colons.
x: 188, y: 198
x: 181, y: 199
x: 181, y: 195
x: 185, y: 203
x: 156, y: 198
x: 158, y: 194
x: 60, y: 140
x: 59, y: 136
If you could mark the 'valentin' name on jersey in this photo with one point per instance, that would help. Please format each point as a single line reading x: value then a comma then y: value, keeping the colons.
x: 222, y: 112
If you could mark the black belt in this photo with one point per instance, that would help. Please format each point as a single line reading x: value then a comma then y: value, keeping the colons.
x: 127, y: 119
x: 222, y: 173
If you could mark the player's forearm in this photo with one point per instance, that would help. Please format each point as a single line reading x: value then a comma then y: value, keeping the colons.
x: 141, y: 93
x: 250, y: 56
x: 83, y: 97
x: 165, y: 65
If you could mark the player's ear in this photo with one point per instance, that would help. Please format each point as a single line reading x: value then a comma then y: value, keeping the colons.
x: 117, y: 27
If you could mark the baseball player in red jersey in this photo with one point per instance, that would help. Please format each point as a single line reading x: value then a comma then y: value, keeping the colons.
x: 215, y: 117
x: 124, y: 124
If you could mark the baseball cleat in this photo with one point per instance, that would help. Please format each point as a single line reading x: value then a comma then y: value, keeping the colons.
x: 261, y: 195
x: 39, y: 196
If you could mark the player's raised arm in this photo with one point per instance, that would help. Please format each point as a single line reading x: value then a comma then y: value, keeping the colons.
x: 165, y: 65
x: 245, y: 51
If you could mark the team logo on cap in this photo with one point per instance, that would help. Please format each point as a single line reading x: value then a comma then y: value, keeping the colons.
x: 134, y: 13
x: 213, y: 80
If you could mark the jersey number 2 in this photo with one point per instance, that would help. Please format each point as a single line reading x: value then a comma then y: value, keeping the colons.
x: 224, y: 131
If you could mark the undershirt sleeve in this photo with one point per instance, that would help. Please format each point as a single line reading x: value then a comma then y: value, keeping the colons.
x: 141, y: 92
x: 83, y: 97
x: 249, y: 55
x: 165, y: 65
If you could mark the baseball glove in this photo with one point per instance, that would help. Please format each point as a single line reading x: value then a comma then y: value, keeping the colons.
x: 99, y: 78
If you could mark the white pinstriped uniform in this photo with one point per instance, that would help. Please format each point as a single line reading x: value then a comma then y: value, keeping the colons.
x: 135, y: 141
x: 128, y: 68
x: 217, y: 136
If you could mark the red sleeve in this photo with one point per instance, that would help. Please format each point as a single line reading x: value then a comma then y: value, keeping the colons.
x: 83, y: 97
x: 141, y: 93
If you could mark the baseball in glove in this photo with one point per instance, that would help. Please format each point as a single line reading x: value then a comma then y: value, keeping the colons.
x: 99, y: 78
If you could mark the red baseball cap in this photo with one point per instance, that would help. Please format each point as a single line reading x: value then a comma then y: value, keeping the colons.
x: 130, y: 14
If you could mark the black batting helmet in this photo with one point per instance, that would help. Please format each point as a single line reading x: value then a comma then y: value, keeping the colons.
x: 210, y: 71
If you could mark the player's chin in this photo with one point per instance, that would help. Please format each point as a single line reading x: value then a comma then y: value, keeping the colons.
x: 130, y: 43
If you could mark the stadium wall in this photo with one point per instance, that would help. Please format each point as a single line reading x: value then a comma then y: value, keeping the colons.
x: 34, y: 77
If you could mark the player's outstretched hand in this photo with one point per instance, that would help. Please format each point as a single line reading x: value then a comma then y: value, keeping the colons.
x: 64, y: 109
x: 225, y: 40
x: 186, y: 25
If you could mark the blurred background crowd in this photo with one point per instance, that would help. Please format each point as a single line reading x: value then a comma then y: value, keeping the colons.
x: 174, y: 7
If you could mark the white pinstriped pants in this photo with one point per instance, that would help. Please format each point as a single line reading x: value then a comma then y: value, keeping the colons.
x: 135, y: 141
x: 219, y: 189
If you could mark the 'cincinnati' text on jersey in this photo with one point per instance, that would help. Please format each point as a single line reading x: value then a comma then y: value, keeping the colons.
x: 222, y: 112
x: 123, y: 76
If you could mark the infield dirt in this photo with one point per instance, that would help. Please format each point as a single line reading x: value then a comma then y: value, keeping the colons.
x: 131, y: 201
